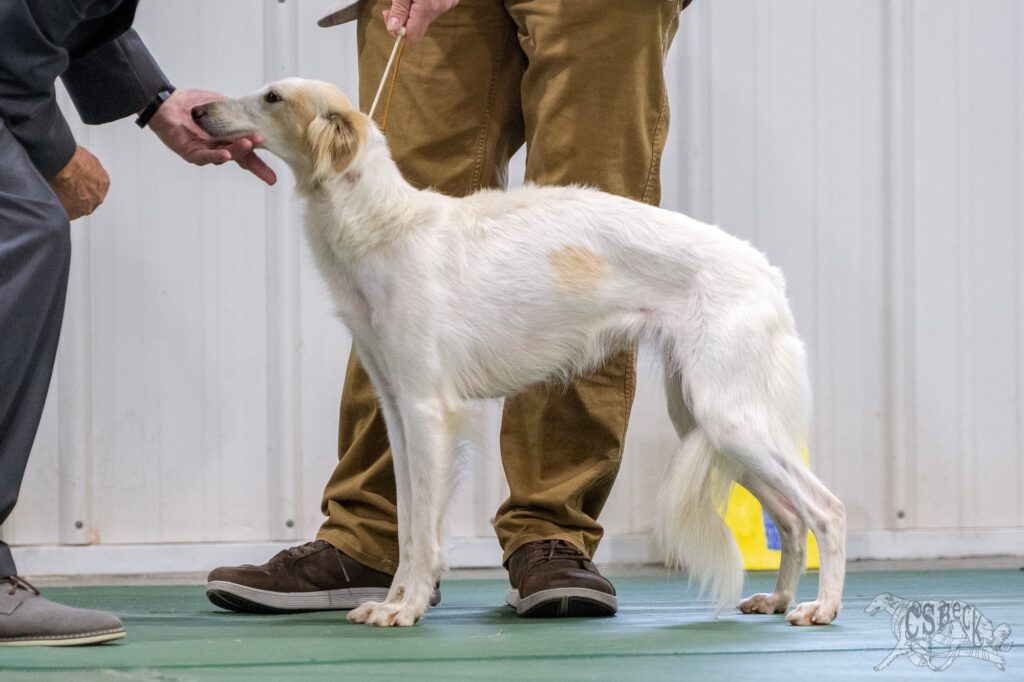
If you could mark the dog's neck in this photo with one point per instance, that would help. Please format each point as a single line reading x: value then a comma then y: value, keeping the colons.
x: 370, y: 204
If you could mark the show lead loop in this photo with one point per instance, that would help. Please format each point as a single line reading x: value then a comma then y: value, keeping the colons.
x: 396, y: 59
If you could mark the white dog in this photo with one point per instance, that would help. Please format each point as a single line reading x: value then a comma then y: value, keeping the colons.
x: 450, y: 300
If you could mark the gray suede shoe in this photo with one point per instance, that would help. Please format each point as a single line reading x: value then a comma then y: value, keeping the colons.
x: 28, y: 619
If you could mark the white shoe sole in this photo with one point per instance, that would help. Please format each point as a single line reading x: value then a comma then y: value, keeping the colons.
x: 325, y: 600
x: 564, y: 601
x: 67, y: 640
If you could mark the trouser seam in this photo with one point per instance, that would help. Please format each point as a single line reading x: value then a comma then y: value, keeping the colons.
x: 492, y: 94
x: 627, y: 403
x: 655, y: 153
x: 656, y: 144
x: 600, y: 483
x: 628, y: 395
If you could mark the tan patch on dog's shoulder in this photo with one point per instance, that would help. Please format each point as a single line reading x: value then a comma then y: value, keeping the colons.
x: 578, y: 267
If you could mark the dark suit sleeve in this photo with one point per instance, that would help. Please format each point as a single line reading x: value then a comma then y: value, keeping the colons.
x: 29, y: 64
x: 115, y: 80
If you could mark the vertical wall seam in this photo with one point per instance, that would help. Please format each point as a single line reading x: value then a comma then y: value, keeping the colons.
x: 283, y: 398
x: 295, y: 456
x: 820, y: 315
x: 754, y: 122
x: 1019, y: 258
x: 709, y: 96
x: 960, y: 370
x: 898, y: 190
x: 73, y: 389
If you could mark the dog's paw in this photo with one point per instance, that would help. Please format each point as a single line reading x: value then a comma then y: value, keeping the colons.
x: 813, y: 613
x: 764, y: 603
x: 361, y: 613
x: 387, y: 614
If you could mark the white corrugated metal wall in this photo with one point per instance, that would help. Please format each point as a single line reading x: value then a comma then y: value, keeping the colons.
x: 873, y: 149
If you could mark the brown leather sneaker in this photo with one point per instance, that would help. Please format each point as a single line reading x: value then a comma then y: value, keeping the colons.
x: 551, y: 578
x: 311, y: 577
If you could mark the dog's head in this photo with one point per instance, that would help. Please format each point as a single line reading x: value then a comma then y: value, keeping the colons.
x: 310, y: 124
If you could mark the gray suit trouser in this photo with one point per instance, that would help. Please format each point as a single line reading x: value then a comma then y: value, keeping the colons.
x: 35, y: 252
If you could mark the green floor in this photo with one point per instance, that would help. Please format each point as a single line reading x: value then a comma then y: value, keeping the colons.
x: 661, y: 632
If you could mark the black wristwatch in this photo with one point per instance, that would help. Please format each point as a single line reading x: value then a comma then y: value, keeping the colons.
x: 152, y: 107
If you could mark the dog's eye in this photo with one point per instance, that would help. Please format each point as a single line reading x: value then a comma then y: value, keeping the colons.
x: 271, y: 97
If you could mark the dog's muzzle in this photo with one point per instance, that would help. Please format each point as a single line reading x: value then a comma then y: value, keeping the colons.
x: 211, y: 119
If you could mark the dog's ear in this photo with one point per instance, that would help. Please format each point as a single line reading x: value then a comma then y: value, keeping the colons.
x: 333, y: 140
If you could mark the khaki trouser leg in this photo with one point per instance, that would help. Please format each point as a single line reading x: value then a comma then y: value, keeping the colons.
x: 596, y: 113
x: 454, y: 122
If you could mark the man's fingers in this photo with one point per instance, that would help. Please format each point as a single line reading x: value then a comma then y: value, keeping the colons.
x: 415, y: 15
x: 398, y: 14
x: 416, y: 27
x: 201, y: 156
x: 239, y: 148
x: 255, y: 165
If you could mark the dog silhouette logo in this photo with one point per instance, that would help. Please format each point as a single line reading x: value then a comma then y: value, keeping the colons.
x: 932, y: 634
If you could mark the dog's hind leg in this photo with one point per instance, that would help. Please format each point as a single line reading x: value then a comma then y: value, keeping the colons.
x: 793, y: 538
x: 689, y: 525
x: 827, y: 519
x: 755, y: 451
x: 748, y: 387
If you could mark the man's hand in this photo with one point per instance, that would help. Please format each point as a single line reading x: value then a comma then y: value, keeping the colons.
x: 81, y: 185
x: 415, y: 15
x: 173, y: 124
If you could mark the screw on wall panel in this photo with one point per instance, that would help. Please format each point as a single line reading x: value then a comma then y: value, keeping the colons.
x: 79, y: 525
x: 900, y: 514
x: 289, y: 522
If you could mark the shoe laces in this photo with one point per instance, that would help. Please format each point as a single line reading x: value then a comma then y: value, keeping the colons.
x: 17, y: 583
x: 299, y: 551
x: 552, y: 550
x: 296, y: 552
x: 304, y: 549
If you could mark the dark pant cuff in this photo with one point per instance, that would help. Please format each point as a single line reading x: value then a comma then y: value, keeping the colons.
x: 7, y: 567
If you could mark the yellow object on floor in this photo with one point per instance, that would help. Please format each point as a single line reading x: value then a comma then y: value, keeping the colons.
x: 756, y: 534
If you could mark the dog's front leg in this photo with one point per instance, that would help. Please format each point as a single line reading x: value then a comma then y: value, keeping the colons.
x: 427, y: 464
x: 403, y: 491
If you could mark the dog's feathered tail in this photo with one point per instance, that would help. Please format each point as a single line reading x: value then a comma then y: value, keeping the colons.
x: 689, y: 520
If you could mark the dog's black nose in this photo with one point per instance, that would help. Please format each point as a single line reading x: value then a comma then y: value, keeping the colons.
x: 198, y: 112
